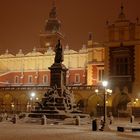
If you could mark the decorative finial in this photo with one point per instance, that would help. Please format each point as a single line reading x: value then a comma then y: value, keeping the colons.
x: 122, y: 7
x: 67, y: 47
x: 53, y: 3
x: 34, y: 49
x: 20, y: 51
x: 107, y: 22
x: 122, y: 15
x: 137, y: 19
x: 7, y: 51
x: 83, y: 46
x: 90, y: 37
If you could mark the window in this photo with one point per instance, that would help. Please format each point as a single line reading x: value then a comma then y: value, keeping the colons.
x: 100, y: 74
x: 30, y: 79
x: 111, y: 35
x: 121, y: 35
x: 122, y: 66
x: 45, y: 79
x: 17, y: 79
x: 77, y: 78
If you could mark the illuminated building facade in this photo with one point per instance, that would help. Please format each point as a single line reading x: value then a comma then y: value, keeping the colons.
x: 116, y: 60
x: 122, y: 63
x: 122, y: 51
x: 85, y: 66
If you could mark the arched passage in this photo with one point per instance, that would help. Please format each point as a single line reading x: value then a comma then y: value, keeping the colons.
x: 7, y: 100
x: 1, y: 103
x: 22, y: 102
x: 93, y: 101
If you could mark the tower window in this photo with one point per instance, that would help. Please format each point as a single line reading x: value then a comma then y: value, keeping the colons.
x: 122, y: 66
x: 100, y: 74
x: 122, y: 61
x: 121, y: 35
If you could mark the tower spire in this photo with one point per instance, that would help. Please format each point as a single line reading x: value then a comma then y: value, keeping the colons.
x: 52, y: 30
x: 53, y: 3
x: 53, y: 24
x: 121, y: 15
x: 52, y: 13
x: 122, y: 7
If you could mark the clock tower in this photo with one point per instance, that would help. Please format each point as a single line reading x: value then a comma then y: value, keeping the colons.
x: 51, y: 32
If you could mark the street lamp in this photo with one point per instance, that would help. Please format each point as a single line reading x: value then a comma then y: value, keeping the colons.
x: 28, y: 107
x: 32, y: 94
x: 105, y: 83
x: 32, y: 98
x: 13, y: 107
x: 96, y: 91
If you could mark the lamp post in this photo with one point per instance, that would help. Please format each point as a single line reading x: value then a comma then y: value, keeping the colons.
x: 32, y: 98
x: 105, y: 83
x: 13, y: 107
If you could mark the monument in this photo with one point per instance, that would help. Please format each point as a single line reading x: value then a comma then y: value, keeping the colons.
x: 58, y: 101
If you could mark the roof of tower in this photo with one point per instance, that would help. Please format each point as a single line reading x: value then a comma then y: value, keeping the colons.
x: 121, y: 20
x: 53, y: 24
x: 122, y: 15
x: 53, y: 13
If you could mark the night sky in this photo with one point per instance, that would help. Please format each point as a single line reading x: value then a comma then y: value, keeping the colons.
x: 22, y: 20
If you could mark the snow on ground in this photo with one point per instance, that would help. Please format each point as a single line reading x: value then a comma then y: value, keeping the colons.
x: 33, y: 131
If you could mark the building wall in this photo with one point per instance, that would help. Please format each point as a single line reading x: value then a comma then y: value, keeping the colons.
x: 16, y: 69
x: 136, y: 86
x: 124, y: 33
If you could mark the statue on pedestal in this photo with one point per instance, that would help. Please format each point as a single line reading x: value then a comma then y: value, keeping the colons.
x: 58, y: 53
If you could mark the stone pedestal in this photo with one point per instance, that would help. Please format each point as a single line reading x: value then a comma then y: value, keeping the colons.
x: 58, y: 75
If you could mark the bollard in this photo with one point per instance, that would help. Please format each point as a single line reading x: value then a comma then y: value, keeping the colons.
x: 77, y: 120
x: 1, y: 119
x: 111, y: 120
x: 43, y: 120
x: 14, y: 120
x: 120, y: 129
x: 132, y: 119
x: 94, y: 125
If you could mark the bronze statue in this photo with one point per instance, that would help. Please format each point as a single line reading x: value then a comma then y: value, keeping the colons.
x: 58, y: 53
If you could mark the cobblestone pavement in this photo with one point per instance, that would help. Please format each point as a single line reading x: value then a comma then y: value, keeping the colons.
x: 9, y: 131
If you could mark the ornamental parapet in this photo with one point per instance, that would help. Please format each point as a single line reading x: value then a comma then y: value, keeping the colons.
x: 38, y: 87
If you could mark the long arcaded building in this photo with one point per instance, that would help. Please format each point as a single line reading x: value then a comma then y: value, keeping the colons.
x: 116, y: 60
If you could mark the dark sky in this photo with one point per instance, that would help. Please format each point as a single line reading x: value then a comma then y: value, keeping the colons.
x: 22, y: 20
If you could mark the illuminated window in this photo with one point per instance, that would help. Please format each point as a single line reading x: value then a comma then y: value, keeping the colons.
x: 100, y: 74
x: 77, y: 78
x: 16, y: 79
x: 30, y: 79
